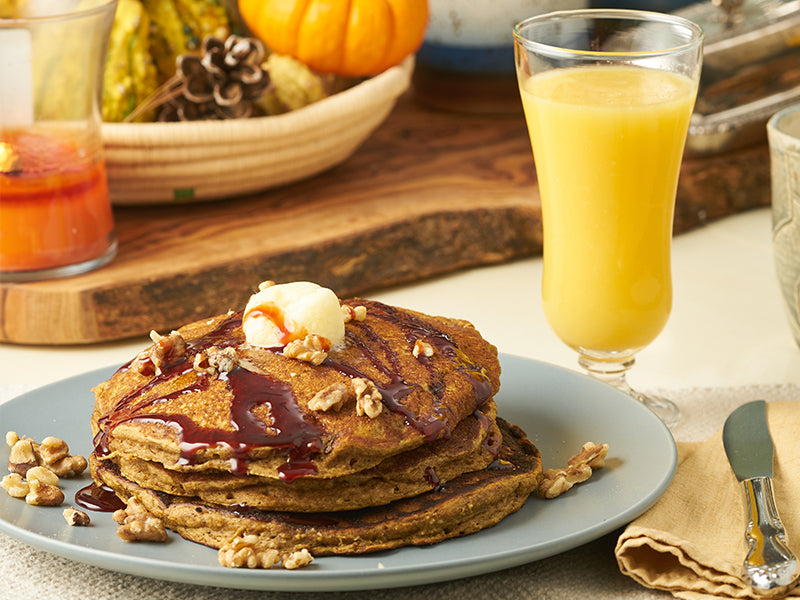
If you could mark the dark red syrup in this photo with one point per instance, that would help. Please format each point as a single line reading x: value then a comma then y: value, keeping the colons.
x: 100, y: 498
x: 288, y: 428
x: 433, y: 479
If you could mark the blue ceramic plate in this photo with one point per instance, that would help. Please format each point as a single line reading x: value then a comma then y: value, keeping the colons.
x: 560, y: 409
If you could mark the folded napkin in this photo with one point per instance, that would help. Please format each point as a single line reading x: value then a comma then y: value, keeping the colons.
x: 691, y: 542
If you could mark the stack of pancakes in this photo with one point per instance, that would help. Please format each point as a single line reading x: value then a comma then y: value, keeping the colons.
x: 222, y: 439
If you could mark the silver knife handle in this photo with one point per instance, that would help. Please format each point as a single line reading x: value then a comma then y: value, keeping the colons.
x: 769, y: 563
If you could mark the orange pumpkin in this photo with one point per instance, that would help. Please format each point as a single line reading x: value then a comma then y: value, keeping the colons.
x: 354, y: 38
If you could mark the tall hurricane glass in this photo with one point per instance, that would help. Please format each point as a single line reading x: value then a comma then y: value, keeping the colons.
x: 608, y: 95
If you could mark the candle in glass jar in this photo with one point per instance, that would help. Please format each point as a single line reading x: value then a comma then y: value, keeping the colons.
x: 54, y: 205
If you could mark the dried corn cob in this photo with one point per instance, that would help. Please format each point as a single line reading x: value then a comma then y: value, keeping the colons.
x: 130, y: 74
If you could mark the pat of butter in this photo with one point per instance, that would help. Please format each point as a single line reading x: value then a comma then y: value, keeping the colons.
x: 282, y: 313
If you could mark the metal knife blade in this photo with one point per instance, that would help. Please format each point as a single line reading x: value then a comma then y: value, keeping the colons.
x: 769, y: 563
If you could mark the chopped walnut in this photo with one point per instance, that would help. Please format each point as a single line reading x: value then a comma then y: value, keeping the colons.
x: 164, y: 348
x: 136, y: 524
x: 368, y: 397
x: 52, y: 453
x: 558, y: 481
x: 298, y: 559
x: 215, y: 360
x: 43, y: 494
x: 242, y: 551
x: 76, y: 518
x: 22, y: 457
x: 69, y: 466
x: 52, y: 450
x: 354, y: 313
x: 578, y: 469
x: 15, y: 486
x: 423, y: 348
x: 11, y: 438
x: 312, y: 348
x: 591, y: 454
x: 42, y: 474
x: 331, y: 398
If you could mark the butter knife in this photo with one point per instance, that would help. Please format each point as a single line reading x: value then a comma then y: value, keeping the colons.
x: 769, y: 563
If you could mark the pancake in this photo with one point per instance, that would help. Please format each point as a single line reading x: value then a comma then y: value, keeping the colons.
x: 256, y: 418
x: 468, y: 503
x: 473, y: 445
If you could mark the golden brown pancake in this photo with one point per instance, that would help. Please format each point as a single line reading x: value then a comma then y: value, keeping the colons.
x: 468, y: 503
x: 256, y: 418
x: 473, y: 445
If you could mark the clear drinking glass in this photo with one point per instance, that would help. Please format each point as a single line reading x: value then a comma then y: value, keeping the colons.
x: 608, y: 95
x: 55, y: 212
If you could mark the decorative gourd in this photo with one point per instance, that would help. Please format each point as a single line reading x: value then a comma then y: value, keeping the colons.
x: 353, y: 38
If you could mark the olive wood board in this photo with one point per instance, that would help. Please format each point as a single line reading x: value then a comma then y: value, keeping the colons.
x: 430, y: 192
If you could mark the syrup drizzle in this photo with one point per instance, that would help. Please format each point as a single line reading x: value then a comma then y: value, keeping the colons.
x: 433, y: 479
x: 417, y: 329
x: 288, y: 428
x: 433, y: 427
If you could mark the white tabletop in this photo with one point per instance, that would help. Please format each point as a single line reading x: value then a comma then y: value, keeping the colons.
x: 728, y: 326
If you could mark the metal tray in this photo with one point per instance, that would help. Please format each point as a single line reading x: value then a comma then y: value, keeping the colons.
x: 751, y: 69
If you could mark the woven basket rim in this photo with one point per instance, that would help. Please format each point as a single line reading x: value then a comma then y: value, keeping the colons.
x: 379, y: 89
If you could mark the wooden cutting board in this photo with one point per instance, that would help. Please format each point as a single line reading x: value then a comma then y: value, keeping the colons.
x: 429, y: 193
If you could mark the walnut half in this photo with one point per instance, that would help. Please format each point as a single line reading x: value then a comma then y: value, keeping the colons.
x: 136, y: 524
x: 579, y: 468
x: 313, y: 349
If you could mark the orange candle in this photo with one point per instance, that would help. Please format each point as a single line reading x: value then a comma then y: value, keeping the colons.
x: 54, y: 205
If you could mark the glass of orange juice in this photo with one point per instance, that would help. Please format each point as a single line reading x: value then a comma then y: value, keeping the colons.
x: 55, y: 212
x: 608, y: 95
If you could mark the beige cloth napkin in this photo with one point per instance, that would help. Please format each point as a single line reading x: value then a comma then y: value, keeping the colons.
x: 691, y: 542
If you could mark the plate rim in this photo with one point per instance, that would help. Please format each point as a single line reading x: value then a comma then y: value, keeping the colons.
x: 311, y: 580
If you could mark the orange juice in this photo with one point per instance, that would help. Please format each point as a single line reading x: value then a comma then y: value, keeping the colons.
x: 54, y: 206
x: 607, y: 142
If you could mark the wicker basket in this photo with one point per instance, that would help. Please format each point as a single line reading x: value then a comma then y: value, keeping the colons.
x: 156, y: 163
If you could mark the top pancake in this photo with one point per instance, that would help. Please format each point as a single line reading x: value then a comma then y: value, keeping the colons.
x: 256, y: 418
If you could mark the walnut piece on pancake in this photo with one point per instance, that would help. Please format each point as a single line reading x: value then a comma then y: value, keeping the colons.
x: 136, y: 524
x: 332, y: 397
x: 215, y: 360
x: 312, y: 348
x: 423, y: 348
x: 579, y: 468
x: 354, y: 313
x: 164, y: 349
x: 368, y: 397
x: 335, y: 396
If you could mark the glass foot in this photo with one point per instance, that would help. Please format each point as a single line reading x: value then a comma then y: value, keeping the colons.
x: 612, y: 370
x: 666, y: 410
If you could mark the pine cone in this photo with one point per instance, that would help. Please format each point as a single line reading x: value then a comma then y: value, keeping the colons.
x: 223, y: 83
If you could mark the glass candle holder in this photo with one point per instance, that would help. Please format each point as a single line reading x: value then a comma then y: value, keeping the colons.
x: 55, y: 213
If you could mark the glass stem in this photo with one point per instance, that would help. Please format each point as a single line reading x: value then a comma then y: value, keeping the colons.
x: 610, y: 371
x: 613, y: 371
